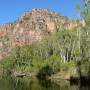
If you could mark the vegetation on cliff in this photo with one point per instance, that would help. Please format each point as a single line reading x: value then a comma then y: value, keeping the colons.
x: 59, y: 53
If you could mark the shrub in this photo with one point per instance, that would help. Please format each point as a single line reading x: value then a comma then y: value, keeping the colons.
x: 44, y: 72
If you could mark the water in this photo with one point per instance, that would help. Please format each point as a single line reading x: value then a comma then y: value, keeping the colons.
x: 34, y: 84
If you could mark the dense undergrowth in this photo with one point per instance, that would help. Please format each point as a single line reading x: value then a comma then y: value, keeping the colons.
x: 58, y: 52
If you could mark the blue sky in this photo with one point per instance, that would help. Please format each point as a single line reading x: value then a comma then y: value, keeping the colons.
x: 11, y: 10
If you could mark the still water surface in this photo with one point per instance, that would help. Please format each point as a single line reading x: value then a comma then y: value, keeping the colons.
x: 34, y: 84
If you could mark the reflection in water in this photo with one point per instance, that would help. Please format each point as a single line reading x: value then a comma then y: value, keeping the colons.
x: 34, y: 84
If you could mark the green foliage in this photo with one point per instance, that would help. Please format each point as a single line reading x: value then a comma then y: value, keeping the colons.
x: 57, y: 52
x: 78, y: 6
x: 7, y: 65
x: 54, y: 61
x: 44, y: 72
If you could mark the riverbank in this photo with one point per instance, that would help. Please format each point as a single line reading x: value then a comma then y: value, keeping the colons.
x: 51, y: 68
x: 34, y: 84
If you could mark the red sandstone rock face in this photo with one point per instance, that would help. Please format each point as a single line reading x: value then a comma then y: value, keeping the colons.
x: 33, y: 26
x: 30, y: 28
x: 4, y: 28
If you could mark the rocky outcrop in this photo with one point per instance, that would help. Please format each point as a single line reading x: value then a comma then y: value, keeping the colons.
x: 4, y: 28
x: 32, y: 27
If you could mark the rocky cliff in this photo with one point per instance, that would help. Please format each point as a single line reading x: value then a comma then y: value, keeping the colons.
x: 32, y: 27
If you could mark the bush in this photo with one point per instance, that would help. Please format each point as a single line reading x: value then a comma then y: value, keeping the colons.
x: 45, y: 72
x: 54, y: 61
